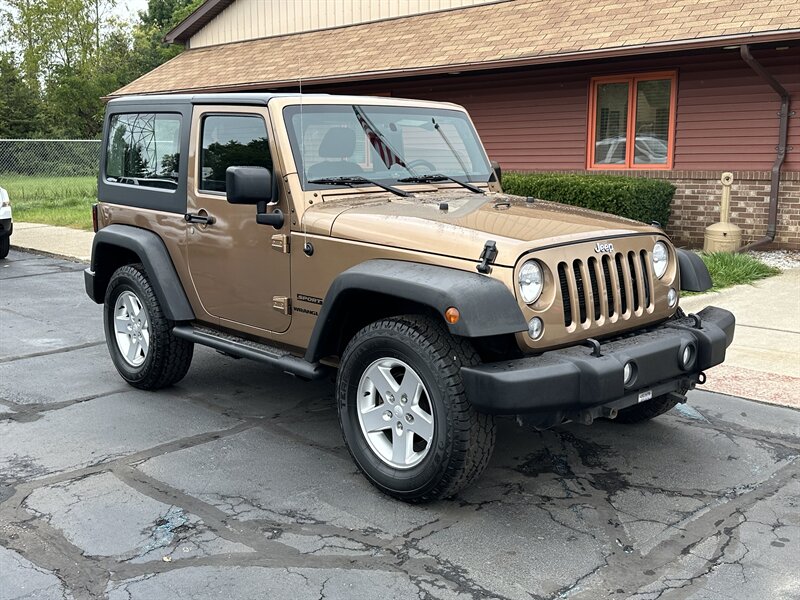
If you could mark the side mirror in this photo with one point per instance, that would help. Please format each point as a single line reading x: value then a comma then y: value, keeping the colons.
x: 498, y: 172
x: 248, y: 185
x: 253, y: 185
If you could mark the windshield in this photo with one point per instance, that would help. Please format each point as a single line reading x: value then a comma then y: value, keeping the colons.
x: 383, y: 143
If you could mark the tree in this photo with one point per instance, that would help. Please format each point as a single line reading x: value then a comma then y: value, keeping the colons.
x: 20, y: 105
x: 65, y: 55
x: 21, y: 23
x: 161, y: 16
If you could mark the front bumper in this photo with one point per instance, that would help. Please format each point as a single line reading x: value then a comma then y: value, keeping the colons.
x: 573, y: 382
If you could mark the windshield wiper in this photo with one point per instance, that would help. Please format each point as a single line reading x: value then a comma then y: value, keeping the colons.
x: 350, y: 181
x: 440, y: 177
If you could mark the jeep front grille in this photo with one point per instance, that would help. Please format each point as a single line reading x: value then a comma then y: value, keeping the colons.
x: 614, y: 287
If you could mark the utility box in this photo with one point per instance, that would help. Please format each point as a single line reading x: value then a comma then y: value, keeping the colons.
x: 723, y: 236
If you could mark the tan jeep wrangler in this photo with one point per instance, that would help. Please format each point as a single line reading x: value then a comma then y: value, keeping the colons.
x: 370, y: 238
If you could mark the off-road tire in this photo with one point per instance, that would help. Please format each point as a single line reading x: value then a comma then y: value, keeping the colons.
x: 168, y: 358
x: 463, y: 438
x: 647, y: 410
x: 5, y: 245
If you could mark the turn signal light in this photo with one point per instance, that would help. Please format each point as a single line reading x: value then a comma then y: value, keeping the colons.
x: 451, y: 315
x: 94, y: 217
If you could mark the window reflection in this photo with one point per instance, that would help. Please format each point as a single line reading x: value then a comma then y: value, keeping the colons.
x: 231, y: 141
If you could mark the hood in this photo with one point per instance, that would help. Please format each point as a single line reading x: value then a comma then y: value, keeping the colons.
x: 458, y: 222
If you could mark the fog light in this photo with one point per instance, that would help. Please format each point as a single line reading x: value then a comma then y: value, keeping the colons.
x: 535, y: 328
x: 672, y: 297
x: 687, y: 356
x: 628, y: 373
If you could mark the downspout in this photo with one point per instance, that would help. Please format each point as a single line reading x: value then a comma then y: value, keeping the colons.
x: 783, y: 133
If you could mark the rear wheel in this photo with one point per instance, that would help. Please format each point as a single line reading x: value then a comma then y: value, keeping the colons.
x: 139, y: 336
x: 647, y: 410
x: 5, y: 245
x: 403, y: 411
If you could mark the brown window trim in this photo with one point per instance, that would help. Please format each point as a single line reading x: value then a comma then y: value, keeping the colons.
x: 631, y: 80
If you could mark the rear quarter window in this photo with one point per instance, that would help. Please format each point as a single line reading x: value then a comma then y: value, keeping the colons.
x: 143, y: 149
x: 143, y: 162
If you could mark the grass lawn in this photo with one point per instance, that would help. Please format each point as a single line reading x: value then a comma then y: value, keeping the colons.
x: 728, y: 269
x: 64, y: 201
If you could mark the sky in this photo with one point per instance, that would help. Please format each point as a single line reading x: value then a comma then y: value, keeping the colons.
x: 129, y: 9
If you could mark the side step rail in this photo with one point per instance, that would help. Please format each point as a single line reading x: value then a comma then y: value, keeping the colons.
x: 243, y: 348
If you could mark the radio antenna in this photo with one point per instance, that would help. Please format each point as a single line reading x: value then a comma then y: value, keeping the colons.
x: 302, y: 142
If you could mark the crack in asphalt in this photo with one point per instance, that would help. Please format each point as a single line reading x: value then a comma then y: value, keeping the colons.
x: 643, y: 570
x: 8, y: 359
x: 59, y: 270
x: 26, y: 413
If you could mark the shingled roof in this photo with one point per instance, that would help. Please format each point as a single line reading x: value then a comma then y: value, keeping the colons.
x: 504, y: 34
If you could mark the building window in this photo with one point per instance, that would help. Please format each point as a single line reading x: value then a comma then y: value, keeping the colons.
x: 144, y: 149
x: 231, y: 141
x: 639, y: 108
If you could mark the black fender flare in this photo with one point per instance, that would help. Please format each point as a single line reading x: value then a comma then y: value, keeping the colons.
x: 157, y: 263
x: 486, y: 305
x: 693, y: 272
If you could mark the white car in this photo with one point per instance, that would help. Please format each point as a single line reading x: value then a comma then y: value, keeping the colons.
x: 6, y: 223
x: 650, y: 150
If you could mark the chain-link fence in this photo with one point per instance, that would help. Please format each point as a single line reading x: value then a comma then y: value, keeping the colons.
x: 49, y: 175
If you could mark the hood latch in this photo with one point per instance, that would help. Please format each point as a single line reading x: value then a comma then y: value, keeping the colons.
x: 488, y: 257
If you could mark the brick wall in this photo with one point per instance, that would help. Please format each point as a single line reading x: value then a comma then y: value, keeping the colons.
x: 697, y: 198
x: 696, y: 206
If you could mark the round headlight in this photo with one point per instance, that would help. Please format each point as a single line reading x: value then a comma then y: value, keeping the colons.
x: 660, y: 258
x: 531, y: 282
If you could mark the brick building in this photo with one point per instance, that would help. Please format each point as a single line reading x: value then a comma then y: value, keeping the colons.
x: 552, y: 85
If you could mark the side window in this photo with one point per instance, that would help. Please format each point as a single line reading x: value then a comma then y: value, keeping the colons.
x: 231, y: 141
x: 144, y: 149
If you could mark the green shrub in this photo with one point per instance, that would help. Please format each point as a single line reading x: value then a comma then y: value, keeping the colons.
x: 638, y: 198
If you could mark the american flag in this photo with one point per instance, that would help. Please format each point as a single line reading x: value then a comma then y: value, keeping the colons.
x: 388, y: 156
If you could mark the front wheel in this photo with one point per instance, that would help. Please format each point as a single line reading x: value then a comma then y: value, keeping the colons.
x: 139, y: 336
x: 403, y: 411
x: 5, y: 245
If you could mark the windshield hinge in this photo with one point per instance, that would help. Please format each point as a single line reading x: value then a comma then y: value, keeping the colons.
x: 280, y: 242
x: 488, y: 256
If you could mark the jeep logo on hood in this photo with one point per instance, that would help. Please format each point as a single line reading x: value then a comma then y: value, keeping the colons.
x: 600, y: 247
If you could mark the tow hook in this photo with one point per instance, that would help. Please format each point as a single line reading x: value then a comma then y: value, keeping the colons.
x: 680, y: 398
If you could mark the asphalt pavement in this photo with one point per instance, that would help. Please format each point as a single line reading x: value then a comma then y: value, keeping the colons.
x: 235, y: 484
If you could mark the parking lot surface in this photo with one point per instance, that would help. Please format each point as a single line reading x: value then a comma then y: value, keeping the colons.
x: 235, y: 483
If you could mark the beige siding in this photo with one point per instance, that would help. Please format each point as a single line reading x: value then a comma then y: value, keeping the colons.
x: 249, y: 19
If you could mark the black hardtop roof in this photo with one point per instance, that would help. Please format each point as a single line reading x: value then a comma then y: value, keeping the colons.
x: 258, y: 99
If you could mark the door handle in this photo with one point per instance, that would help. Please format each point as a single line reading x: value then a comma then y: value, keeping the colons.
x: 204, y: 219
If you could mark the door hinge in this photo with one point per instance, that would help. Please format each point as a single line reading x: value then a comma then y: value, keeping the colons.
x: 281, y: 304
x: 280, y: 242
